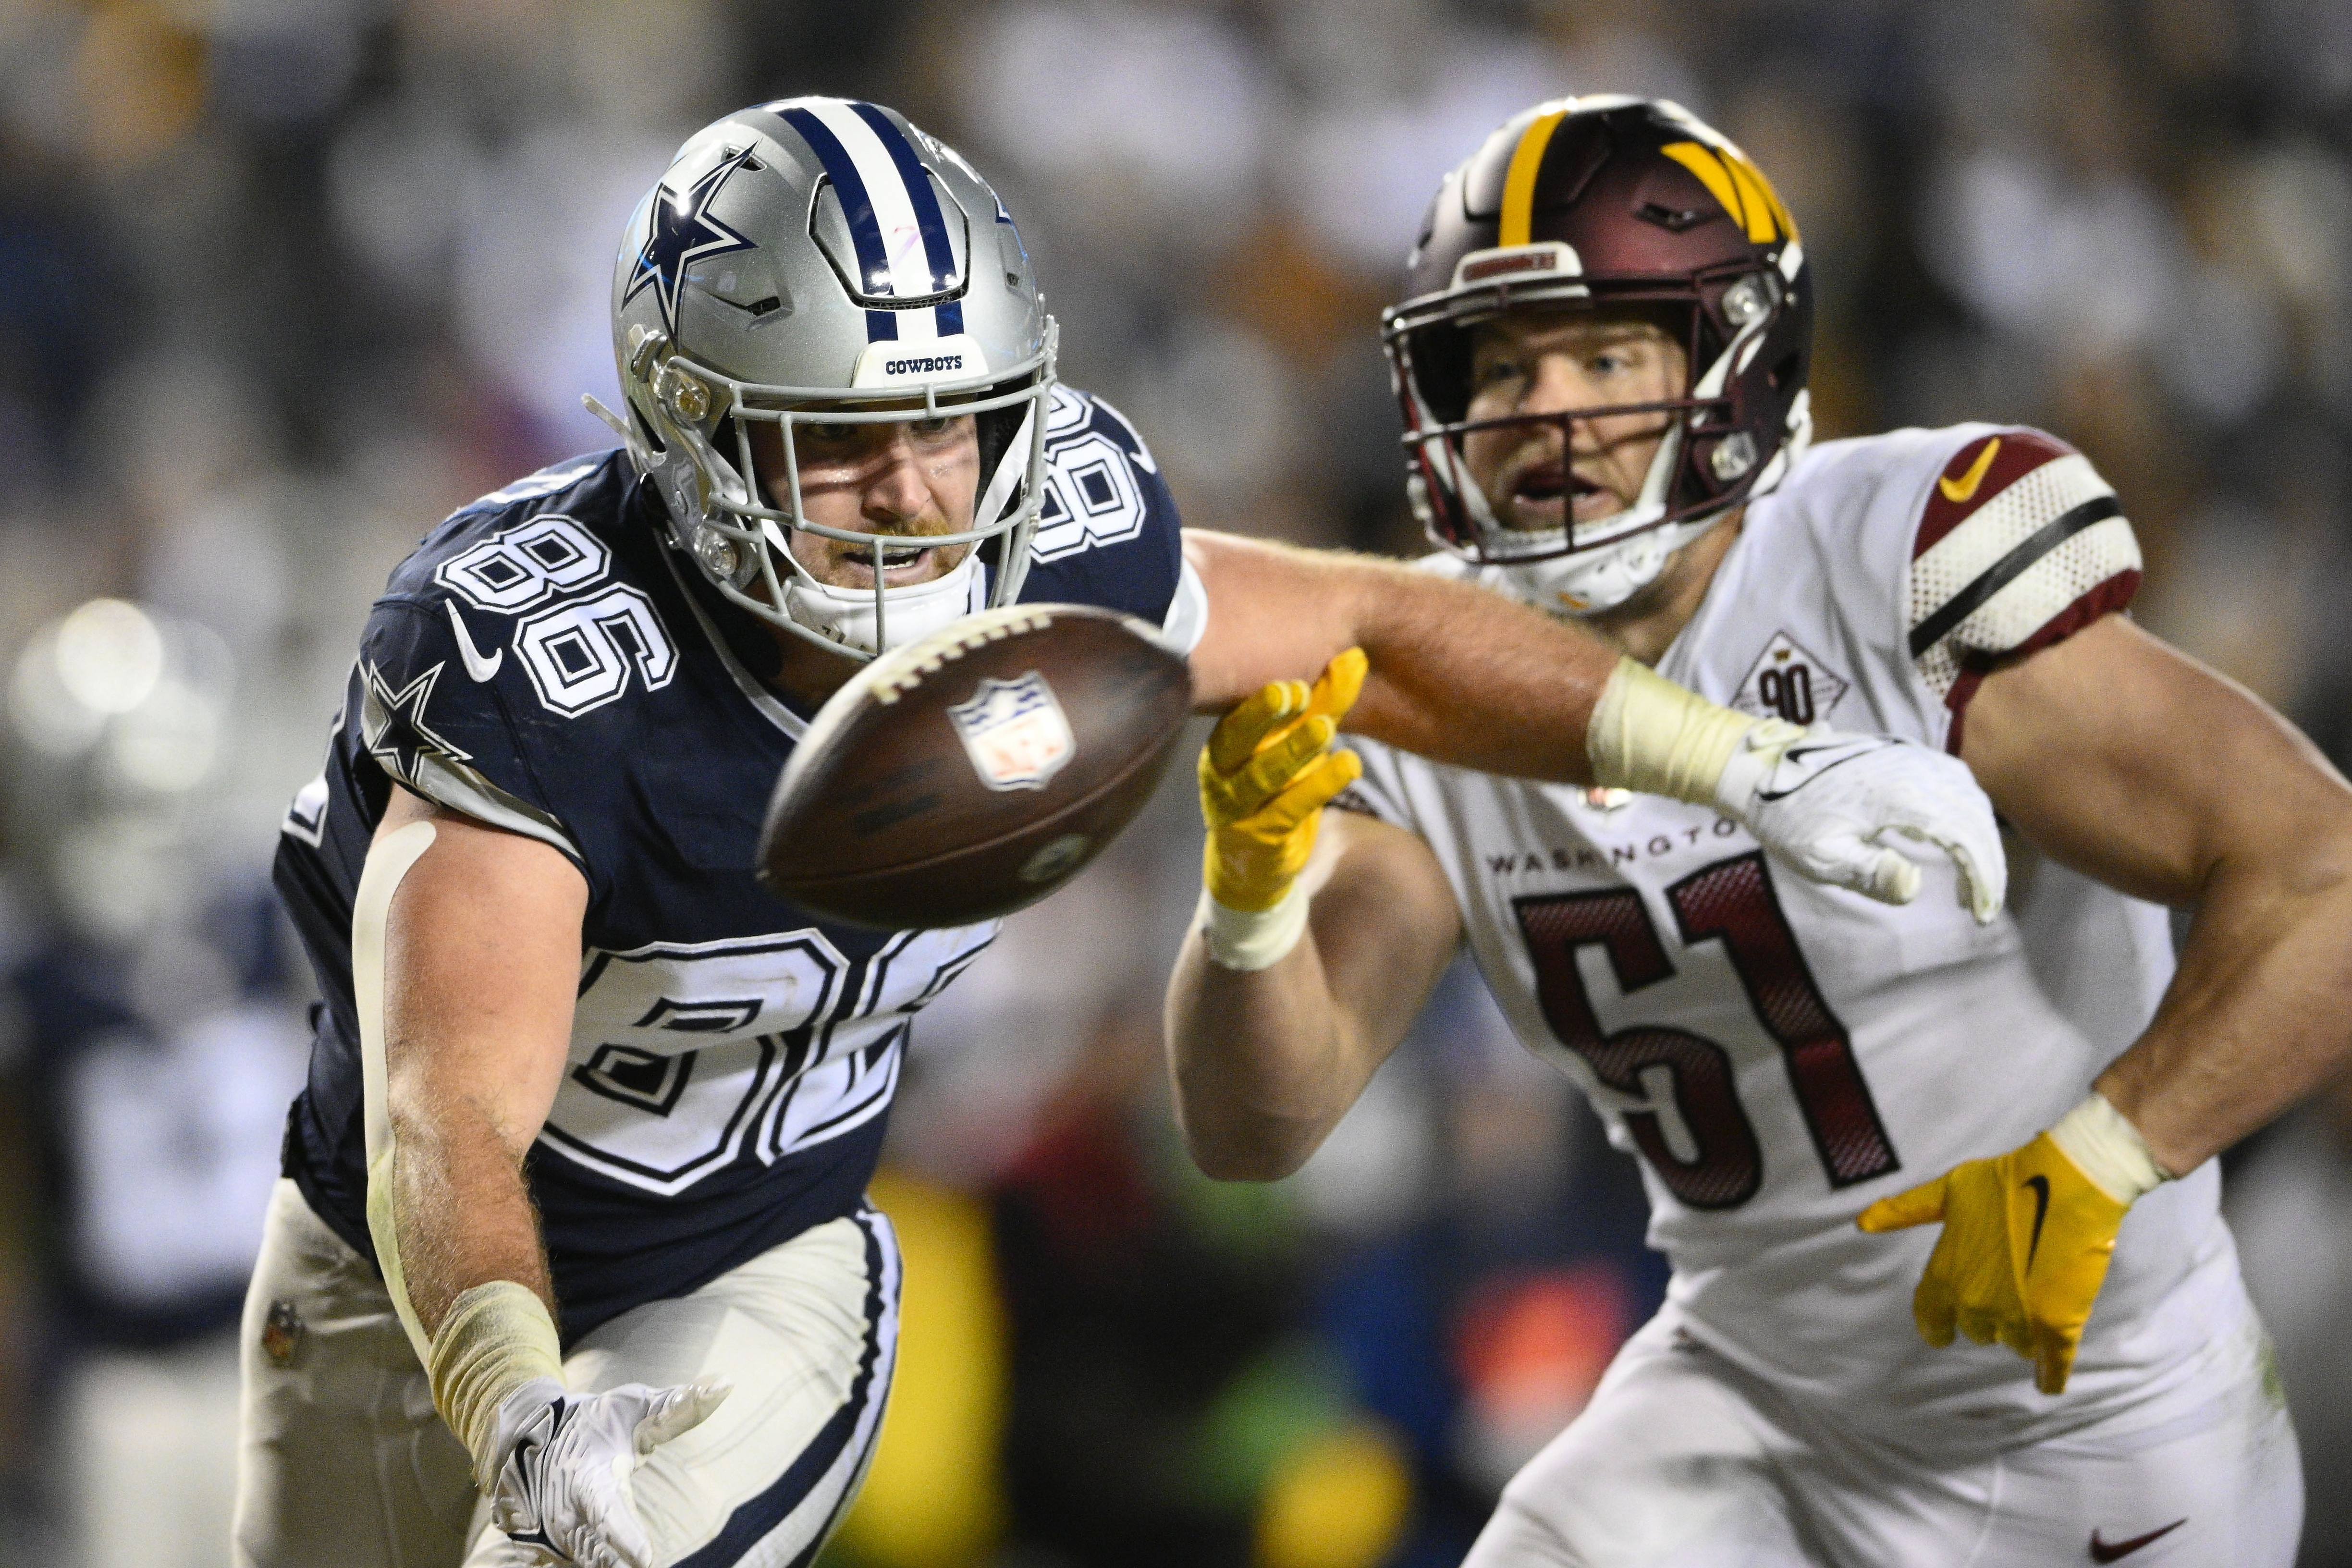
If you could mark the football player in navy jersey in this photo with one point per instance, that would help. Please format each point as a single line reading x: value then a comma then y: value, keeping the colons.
x: 572, y: 1261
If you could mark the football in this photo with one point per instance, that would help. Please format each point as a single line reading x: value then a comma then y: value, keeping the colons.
x: 971, y: 774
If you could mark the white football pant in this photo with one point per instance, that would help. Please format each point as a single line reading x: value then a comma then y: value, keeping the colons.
x: 344, y: 1463
x: 1683, y: 1460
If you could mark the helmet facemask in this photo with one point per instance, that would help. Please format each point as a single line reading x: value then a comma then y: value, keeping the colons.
x: 1602, y: 206
x: 740, y: 529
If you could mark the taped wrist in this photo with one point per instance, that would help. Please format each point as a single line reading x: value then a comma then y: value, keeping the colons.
x: 1240, y: 938
x: 497, y: 1337
x: 1651, y: 736
x: 2109, y: 1150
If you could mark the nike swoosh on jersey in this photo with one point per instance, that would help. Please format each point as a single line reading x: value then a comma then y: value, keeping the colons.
x: 2103, y: 1551
x: 2040, y: 1185
x: 477, y: 666
x: 1959, y: 493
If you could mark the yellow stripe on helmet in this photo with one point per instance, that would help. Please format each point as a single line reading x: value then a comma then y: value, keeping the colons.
x: 1519, y: 184
x: 1765, y: 199
x: 1738, y: 184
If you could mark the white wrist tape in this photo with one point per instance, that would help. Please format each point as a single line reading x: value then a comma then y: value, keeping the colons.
x: 497, y: 1337
x: 2109, y: 1150
x: 1237, y: 938
x: 1649, y: 735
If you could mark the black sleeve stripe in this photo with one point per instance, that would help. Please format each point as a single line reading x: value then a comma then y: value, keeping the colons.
x: 2007, y: 570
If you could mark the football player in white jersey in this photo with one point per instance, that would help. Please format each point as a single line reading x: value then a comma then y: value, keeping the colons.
x: 1602, y: 359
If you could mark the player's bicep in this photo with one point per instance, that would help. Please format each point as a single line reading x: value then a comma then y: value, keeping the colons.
x: 2132, y: 762
x: 481, y: 964
x: 1385, y: 927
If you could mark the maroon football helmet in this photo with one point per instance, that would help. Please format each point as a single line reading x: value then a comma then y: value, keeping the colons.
x: 1596, y: 203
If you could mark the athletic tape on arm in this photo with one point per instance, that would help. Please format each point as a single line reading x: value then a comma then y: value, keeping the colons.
x: 1649, y: 735
x: 1238, y: 939
x: 2110, y: 1150
x: 388, y: 861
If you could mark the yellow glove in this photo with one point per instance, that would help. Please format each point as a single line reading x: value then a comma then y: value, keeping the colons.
x: 1265, y: 776
x: 2027, y: 1237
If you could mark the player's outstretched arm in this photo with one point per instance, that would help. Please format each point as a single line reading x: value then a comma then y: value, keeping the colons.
x: 1458, y: 673
x: 1464, y: 676
x: 2131, y: 762
x: 465, y: 958
x: 1298, y: 980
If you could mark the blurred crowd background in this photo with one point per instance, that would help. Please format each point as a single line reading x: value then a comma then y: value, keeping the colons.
x: 284, y: 281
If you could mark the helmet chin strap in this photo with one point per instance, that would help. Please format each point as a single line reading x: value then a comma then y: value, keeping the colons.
x: 910, y: 614
x: 846, y: 616
x: 1587, y: 582
x: 1592, y: 581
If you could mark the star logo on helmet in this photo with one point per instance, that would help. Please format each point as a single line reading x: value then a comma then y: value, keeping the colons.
x: 681, y: 231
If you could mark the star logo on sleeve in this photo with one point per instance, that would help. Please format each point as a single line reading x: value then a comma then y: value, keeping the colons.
x: 393, y: 727
x: 682, y: 232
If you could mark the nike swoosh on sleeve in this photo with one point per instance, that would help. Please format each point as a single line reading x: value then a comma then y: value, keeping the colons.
x: 1958, y: 492
x: 477, y: 666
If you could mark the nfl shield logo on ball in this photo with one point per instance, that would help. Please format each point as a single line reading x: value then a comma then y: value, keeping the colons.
x: 1015, y: 732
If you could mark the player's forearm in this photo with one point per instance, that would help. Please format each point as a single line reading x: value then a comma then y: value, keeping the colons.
x: 1263, y: 1064
x: 1458, y: 674
x: 474, y: 934
x: 464, y: 1216
x: 2259, y: 1013
x: 1461, y: 675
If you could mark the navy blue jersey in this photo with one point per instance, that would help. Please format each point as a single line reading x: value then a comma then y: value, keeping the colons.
x: 546, y: 662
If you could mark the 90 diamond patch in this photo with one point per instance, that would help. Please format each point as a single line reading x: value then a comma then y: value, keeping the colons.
x: 1789, y: 682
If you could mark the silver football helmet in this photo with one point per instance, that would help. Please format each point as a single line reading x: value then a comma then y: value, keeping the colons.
x: 821, y: 261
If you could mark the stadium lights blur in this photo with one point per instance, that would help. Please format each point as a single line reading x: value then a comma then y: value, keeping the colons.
x: 109, y: 655
x: 147, y: 696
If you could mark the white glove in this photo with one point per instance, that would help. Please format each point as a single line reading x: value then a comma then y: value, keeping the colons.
x: 564, y: 1462
x: 1828, y: 802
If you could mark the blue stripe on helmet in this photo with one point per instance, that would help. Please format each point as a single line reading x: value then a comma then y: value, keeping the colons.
x: 858, y: 210
x: 937, y: 251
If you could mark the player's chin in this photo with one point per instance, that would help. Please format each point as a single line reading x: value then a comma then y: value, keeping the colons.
x: 1592, y: 505
x: 903, y: 566
x: 1524, y: 514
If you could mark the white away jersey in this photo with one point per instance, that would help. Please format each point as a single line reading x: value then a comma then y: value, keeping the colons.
x: 1781, y: 1054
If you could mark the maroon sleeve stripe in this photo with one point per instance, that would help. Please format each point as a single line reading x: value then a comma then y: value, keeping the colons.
x: 2106, y: 599
x: 1953, y: 497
